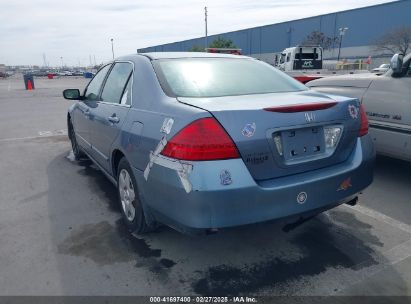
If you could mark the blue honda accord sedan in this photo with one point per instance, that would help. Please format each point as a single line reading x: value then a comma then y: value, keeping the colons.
x: 203, y: 141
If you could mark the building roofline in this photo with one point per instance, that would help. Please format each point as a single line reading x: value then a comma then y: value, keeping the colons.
x: 279, y: 23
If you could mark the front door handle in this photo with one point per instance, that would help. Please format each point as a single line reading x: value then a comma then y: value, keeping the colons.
x: 113, y: 119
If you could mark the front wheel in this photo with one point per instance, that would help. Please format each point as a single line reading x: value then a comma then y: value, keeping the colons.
x: 78, y: 154
x: 131, y: 208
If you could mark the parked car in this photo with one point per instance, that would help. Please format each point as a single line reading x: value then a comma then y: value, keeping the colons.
x: 77, y: 73
x: 38, y: 73
x: 381, y: 69
x: 203, y: 141
x: 387, y: 101
x: 64, y: 73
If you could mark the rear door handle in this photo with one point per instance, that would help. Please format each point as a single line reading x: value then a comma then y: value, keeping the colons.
x: 113, y: 119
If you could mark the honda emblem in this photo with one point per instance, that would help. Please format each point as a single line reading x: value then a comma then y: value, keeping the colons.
x: 309, y: 116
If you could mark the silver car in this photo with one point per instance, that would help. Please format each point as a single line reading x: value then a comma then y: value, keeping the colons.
x: 383, y: 68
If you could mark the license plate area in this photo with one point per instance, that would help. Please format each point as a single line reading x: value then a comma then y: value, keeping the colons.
x: 300, y: 144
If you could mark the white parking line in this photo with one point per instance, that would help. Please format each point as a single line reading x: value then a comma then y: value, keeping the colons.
x: 45, y: 133
x: 398, y: 253
x: 42, y: 134
x: 381, y: 217
x: 387, y: 258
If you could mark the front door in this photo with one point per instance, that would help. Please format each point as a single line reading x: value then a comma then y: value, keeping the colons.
x: 82, y: 113
x: 110, y: 112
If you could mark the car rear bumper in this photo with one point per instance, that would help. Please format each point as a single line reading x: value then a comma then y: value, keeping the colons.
x: 210, y: 204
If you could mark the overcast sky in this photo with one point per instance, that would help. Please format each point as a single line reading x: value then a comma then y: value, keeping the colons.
x: 76, y: 29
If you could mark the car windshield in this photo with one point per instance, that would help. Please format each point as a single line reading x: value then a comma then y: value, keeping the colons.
x: 215, y: 77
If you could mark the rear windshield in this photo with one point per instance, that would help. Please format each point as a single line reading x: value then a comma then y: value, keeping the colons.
x: 306, y: 56
x: 214, y: 77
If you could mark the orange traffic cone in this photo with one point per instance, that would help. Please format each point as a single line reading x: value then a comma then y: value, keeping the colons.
x: 29, y: 85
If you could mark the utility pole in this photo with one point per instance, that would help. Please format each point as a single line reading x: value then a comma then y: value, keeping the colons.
x: 112, y: 46
x: 342, y: 33
x: 290, y: 32
x: 206, y: 30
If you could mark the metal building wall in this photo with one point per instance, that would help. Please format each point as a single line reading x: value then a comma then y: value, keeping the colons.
x: 365, y: 25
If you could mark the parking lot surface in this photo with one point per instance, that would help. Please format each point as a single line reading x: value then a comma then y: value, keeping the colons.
x: 61, y: 231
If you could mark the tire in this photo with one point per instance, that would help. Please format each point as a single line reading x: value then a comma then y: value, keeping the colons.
x: 130, y: 204
x: 78, y: 154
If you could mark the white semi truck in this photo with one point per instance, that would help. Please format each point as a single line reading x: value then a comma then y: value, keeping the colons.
x: 300, y: 58
x: 305, y: 63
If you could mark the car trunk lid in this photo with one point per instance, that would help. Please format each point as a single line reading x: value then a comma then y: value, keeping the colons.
x: 281, y: 134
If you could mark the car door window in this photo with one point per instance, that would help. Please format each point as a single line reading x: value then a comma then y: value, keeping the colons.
x: 93, y: 89
x: 408, y: 74
x: 116, y: 82
x: 126, y: 98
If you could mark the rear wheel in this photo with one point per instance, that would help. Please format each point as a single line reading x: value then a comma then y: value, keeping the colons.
x: 78, y: 154
x: 131, y: 208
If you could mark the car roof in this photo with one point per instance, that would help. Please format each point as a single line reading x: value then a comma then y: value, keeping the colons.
x: 175, y: 55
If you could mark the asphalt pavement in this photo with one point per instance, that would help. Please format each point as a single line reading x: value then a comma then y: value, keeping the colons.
x: 61, y: 231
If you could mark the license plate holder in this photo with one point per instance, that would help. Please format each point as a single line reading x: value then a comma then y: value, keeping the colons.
x: 302, y: 143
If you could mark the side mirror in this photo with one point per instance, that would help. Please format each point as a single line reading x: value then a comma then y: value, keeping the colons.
x: 396, y: 63
x: 72, y: 94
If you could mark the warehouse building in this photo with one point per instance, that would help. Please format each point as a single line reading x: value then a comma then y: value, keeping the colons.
x: 365, y: 25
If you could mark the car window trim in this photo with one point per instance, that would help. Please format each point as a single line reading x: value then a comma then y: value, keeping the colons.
x: 102, y: 84
x: 132, y: 83
x: 125, y: 87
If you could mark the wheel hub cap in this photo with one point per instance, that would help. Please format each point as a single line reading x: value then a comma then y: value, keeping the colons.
x: 127, y: 194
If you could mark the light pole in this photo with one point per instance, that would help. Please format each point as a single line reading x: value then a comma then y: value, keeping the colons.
x: 290, y: 32
x: 62, y: 64
x: 206, y: 31
x: 342, y: 33
x: 112, y: 46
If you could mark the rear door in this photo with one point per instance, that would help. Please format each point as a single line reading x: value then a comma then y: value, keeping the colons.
x: 111, y: 111
x: 82, y: 113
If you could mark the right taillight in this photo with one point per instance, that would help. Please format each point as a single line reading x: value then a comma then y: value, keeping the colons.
x: 203, y: 139
x: 364, y: 122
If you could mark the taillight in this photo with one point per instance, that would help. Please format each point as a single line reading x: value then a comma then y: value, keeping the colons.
x: 364, y: 122
x: 203, y: 139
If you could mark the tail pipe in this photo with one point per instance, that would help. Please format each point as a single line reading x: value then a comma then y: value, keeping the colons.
x: 353, y: 202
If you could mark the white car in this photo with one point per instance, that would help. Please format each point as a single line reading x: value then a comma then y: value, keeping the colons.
x: 64, y: 73
x: 387, y: 102
x: 383, y: 68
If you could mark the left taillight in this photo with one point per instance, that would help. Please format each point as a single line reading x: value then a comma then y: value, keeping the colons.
x: 364, y: 122
x: 203, y: 139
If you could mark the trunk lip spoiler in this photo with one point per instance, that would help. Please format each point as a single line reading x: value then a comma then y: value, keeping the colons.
x: 302, y: 107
